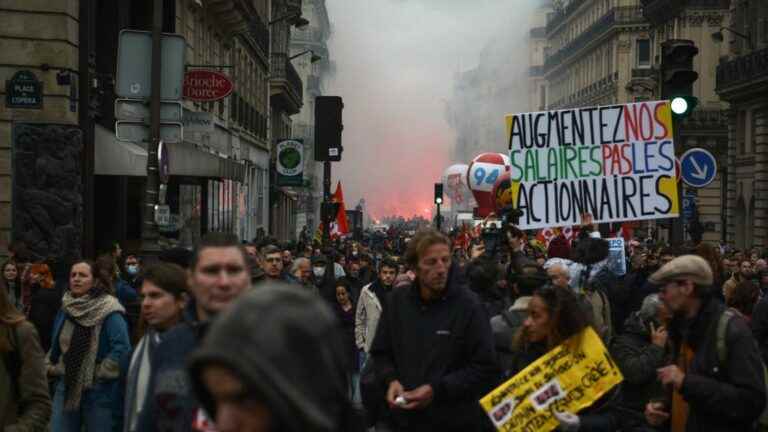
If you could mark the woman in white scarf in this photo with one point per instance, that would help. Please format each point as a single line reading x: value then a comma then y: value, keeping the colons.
x: 90, y: 337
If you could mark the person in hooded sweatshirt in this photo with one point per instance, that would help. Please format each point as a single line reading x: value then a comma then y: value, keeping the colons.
x: 275, y: 363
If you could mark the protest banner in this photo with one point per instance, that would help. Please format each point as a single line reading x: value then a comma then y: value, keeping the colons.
x: 569, y: 378
x: 617, y: 256
x: 616, y: 163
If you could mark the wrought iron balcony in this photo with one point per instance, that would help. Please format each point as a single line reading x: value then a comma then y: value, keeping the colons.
x: 617, y: 16
x: 658, y: 12
x: 558, y: 17
x: 259, y: 32
x: 742, y: 70
x: 539, y: 32
x: 286, y: 87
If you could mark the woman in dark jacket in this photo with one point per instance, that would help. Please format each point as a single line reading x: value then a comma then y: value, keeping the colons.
x: 554, y: 315
x: 44, y: 301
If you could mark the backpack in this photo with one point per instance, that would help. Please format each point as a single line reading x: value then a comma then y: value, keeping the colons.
x: 722, y: 356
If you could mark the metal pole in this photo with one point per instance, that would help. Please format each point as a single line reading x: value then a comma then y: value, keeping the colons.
x: 439, y: 221
x: 326, y: 216
x: 149, y: 233
x: 87, y: 47
x: 677, y: 234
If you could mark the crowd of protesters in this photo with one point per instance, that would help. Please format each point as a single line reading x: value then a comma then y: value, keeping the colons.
x: 396, y: 332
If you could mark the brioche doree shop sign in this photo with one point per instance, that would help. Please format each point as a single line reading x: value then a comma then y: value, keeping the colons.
x: 569, y: 378
x: 206, y: 86
x: 616, y: 163
x: 24, y: 90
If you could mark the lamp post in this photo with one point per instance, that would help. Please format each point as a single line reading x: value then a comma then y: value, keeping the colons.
x: 314, y: 59
x: 718, y: 36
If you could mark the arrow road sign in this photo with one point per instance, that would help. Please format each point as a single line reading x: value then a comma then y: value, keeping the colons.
x: 698, y: 167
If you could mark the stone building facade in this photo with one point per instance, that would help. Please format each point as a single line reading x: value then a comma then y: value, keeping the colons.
x: 742, y: 80
x: 694, y: 20
x: 69, y: 188
x: 312, y: 40
x: 537, y: 49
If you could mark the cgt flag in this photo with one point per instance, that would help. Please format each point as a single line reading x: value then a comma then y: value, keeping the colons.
x: 340, y: 226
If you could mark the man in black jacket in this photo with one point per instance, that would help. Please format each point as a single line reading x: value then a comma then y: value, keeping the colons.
x: 708, y: 393
x: 433, y: 345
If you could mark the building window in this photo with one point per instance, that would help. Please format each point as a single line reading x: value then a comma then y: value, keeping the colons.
x: 643, y: 53
x: 740, y: 132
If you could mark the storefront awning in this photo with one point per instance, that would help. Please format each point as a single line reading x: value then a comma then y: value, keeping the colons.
x: 118, y: 158
x: 121, y: 158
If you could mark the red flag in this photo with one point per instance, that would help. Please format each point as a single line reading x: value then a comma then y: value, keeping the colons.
x: 340, y: 227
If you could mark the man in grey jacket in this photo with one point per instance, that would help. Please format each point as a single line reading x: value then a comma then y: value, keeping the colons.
x: 369, y: 306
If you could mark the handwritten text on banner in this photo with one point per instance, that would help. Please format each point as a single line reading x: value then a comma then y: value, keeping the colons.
x: 614, y: 162
x: 567, y: 379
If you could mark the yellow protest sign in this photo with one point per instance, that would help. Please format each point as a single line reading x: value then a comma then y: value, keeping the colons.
x: 569, y: 378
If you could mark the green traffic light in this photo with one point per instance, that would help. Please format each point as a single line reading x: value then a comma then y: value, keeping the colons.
x: 683, y: 106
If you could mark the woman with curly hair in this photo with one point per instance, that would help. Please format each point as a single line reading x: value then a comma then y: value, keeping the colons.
x: 90, y: 337
x: 555, y: 315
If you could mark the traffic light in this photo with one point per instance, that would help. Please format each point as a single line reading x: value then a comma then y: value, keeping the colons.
x: 328, y: 127
x: 678, y: 76
x: 438, y: 193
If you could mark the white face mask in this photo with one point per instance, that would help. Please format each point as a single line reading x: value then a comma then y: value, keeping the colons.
x: 319, y: 271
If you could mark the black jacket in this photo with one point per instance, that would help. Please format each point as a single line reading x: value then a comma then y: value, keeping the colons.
x: 728, y: 397
x: 760, y: 326
x: 638, y: 360
x: 602, y: 416
x: 446, y: 343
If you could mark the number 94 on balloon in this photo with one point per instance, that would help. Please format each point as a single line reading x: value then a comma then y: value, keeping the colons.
x: 482, y: 176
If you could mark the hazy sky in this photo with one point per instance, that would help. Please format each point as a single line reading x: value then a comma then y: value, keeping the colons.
x: 395, y: 66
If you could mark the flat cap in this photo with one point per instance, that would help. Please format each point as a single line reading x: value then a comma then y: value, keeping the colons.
x: 692, y: 267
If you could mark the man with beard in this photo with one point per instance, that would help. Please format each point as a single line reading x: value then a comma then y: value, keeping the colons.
x: 744, y: 273
x: 717, y: 380
x: 433, y: 346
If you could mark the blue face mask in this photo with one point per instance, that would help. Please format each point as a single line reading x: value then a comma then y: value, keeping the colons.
x: 132, y: 269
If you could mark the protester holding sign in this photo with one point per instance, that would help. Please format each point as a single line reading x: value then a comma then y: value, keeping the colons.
x: 554, y: 315
x: 615, y: 162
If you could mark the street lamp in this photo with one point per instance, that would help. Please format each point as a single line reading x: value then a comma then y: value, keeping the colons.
x: 295, y: 19
x: 717, y: 36
x: 314, y: 59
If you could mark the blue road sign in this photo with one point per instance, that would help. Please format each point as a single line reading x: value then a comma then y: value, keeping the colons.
x: 698, y: 167
x: 689, y: 206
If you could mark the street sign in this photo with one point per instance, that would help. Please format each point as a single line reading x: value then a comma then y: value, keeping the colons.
x: 137, y: 110
x: 202, y: 85
x: 698, y: 167
x: 139, y: 132
x: 162, y: 214
x: 198, y: 121
x: 689, y: 206
x: 134, y: 65
x: 24, y: 90
x: 290, y: 162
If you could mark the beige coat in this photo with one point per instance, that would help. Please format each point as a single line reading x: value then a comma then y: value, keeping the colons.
x: 34, y: 400
x: 366, y: 318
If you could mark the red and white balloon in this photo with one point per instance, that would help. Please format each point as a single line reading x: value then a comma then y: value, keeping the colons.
x: 483, y: 172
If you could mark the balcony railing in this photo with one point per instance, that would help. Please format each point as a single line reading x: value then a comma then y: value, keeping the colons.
x: 742, y: 70
x: 618, y: 15
x: 536, y: 71
x: 294, y: 80
x: 557, y: 18
x: 260, y: 33
x: 539, y: 32
x: 661, y: 11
